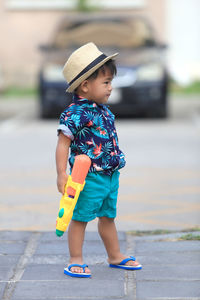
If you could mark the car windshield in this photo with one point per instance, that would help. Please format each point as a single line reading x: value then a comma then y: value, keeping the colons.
x: 106, y: 33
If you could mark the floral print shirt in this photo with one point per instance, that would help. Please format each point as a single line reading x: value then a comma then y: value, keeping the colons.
x: 90, y: 126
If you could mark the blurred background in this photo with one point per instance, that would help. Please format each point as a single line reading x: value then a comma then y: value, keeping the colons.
x: 156, y: 100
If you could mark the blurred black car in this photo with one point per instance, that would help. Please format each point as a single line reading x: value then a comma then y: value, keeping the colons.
x: 141, y: 85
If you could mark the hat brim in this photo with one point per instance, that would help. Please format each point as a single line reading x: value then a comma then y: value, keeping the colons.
x: 76, y: 83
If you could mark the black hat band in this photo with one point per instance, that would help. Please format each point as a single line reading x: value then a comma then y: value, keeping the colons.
x: 90, y: 66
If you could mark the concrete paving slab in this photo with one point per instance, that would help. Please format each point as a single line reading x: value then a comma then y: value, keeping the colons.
x: 56, y: 272
x: 14, y: 235
x: 37, y: 273
x: 12, y: 247
x: 51, y: 236
x: 180, y: 246
x: 52, y: 247
x: 192, y: 258
x: 77, y: 298
x: 61, y: 247
x: 44, y: 272
x: 2, y: 287
x: 89, y: 235
x: 63, y: 259
x: 69, y: 289
x: 169, y: 272
x: 48, y: 259
x: 168, y: 290
x: 6, y: 260
x: 91, y: 247
x: 6, y: 272
x: 90, y: 259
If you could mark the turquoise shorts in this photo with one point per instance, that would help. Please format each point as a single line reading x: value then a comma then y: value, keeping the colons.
x: 98, y: 198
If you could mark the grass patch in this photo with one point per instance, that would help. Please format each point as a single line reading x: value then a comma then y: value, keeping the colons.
x: 84, y: 6
x: 163, y: 231
x: 17, y: 92
x: 190, y: 237
x: 194, y: 229
x: 191, y: 89
x: 149, y: 232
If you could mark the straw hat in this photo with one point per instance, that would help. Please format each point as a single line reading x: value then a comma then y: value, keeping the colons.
x: 82, y: 63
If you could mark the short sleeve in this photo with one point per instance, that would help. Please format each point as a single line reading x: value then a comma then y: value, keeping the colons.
x: 70, y: 121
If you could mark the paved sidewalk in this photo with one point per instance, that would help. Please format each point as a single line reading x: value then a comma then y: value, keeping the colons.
x: 31, y: 268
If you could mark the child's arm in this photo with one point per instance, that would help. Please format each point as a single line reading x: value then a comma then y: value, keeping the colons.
x: 62, y: 153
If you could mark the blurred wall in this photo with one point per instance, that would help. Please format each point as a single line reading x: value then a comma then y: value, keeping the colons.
x: 22, y: 31
x: 183, y: 36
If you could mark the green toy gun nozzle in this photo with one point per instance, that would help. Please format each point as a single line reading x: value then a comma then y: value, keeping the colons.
x: 59, y: 232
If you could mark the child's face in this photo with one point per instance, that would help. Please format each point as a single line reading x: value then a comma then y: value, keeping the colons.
x: 99, y: 89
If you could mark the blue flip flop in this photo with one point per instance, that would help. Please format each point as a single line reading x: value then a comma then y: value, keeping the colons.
x: 125, y: 267
x: 73, y: 274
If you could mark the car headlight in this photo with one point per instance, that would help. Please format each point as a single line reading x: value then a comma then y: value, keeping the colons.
x: 125, y: 77
x: 150, y: 72
x: 53, y: 73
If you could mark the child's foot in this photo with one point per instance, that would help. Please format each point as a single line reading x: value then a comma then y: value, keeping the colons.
x: 131, y: 262
x: 79, y: 270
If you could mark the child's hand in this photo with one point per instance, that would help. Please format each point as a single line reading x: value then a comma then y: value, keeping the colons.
x: 61, y: 182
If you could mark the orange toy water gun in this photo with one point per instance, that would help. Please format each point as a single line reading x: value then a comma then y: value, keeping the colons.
x: 74, y: 186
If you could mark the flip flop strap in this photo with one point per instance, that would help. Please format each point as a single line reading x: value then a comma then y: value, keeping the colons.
x: 123, y: 262
x: 77, y: 265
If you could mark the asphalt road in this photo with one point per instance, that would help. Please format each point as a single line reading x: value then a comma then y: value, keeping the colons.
x: 159, y: 187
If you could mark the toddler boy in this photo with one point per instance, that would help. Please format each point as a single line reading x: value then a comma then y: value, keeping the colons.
x: 87, y: 127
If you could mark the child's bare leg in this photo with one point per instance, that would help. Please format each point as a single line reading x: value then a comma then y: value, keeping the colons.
x: 108, y: 233
x: 76, y: 233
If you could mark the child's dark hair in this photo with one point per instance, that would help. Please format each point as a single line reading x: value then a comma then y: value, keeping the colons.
x: 110, y: 64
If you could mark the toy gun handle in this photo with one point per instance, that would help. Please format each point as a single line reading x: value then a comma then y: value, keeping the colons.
x: 74, y: 186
